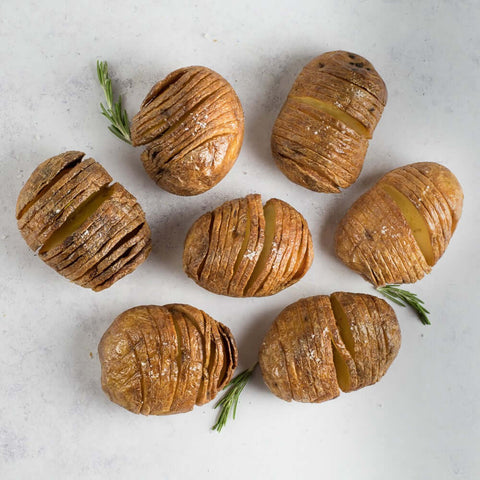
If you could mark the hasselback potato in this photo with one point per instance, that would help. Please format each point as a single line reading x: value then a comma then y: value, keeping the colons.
x: 191, y: 123
x: 242, y: 249
x: 319, y: 345
x: 89, y: 231
x: 164, y: 360
x: 321, y: 135
x: 398, y: 230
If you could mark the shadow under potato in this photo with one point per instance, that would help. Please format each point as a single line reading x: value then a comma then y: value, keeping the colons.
x: 273, y: 80
x: 251, y: 339
x: 82, y: 356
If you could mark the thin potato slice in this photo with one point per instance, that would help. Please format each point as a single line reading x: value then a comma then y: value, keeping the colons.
x: 196, y: 246
x: 248, y: 258
x: 273, y: 215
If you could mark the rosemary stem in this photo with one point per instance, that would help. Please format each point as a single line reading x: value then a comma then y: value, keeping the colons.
x: 229, y: 400
x: 405, y: 298
x: 114, y: 112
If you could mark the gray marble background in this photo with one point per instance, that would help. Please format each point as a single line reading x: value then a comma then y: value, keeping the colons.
x: 421, y: 421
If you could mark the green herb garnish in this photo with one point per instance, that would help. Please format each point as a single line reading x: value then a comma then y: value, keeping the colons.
x: 114, y: 112
x: 404, y: 298
x: 230, y: 398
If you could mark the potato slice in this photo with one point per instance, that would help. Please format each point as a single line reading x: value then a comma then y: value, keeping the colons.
x: 254, y: 238
x: 196, y: 246
x: 192, y: 125
x: 399, y: 229
x: 155, y: 362
x: 186, y: 389
x: 273, y: 215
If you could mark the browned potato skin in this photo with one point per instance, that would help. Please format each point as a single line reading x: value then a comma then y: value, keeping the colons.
x: 376, y: 335
x: 192, y: 124
x: 213, y: 256
x: 165, y: 360
x: 374, y: 238
x: 311, y: 147
x: 296, y: 356
x: 108, y: 245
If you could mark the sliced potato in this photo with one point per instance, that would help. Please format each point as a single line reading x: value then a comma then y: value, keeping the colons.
x: 319, y: 345
x: 320, y: 137
x: 90, y: 232
x: 399, y: 229
x: 165, y: 360
x: 241, y: 249
x: 192, y: 125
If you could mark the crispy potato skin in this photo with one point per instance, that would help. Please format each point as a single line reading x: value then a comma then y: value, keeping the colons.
x: 192, y: 125
x: 234, y: 251
x: 320, y: 137
x: 297, y: 354
x: 374, y: 237
x: 165, y: 360
x: 89, y: 232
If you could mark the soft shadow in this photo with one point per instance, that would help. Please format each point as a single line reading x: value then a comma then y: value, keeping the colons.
x: 272, y: 91
x: 250, y: 340
x: 169, y: 232
x: 82, y: 352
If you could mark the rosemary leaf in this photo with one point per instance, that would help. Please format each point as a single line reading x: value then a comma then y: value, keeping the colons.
x: 406, y: 298
x: 230, y: 398
x: 114, y: 112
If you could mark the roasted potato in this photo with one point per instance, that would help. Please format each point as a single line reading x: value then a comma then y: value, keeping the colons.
x: 320, y: 137
x: 242, y: 249
x: 89, y: 231
x: 192, y: 125
x: 319, y: 345
x: 397, y: 231
x: 164, y: 360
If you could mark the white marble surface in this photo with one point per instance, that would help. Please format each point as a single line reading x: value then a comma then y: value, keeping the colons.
x: 421, y: 421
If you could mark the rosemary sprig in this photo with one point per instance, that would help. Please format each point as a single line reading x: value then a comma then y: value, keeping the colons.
x: 404, y: 298
x: 230, y: 398
x: 114, y: 112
